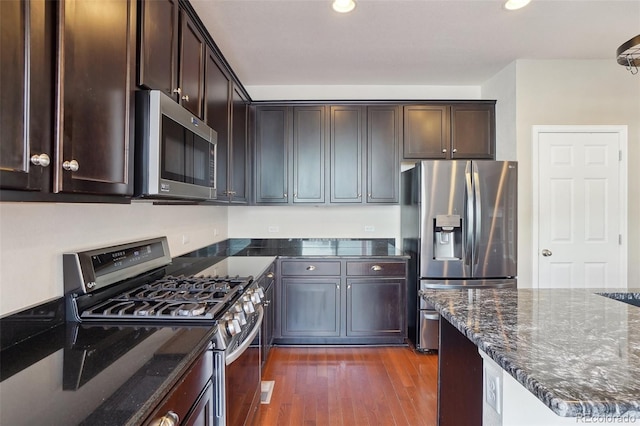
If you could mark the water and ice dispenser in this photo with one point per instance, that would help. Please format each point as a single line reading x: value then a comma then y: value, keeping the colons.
x: 447, y: 237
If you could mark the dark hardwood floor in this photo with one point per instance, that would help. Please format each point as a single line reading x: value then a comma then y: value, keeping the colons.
x: 350, y: 386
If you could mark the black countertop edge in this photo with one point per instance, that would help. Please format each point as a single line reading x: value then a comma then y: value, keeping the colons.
x: 26, y: 324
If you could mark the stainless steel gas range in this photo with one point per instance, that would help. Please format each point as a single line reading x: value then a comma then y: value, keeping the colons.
x: 130, y: 284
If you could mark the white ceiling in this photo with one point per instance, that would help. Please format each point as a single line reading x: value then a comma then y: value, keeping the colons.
x: 408, y: 42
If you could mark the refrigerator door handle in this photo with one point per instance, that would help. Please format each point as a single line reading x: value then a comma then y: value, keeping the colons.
x: 478, y: 213
x: 468, y: 249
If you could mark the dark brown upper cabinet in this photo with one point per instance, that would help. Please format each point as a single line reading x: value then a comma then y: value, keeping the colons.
x: 383, y: 158
x: 192, y: 65
x: 309, y: 144
x: 426, y: 131
x: 449, y: 131
x: 239, y: 157
x: 473, y: 131
x: 26, y: 111
x: 158, y: 49
x: 172, y: 54
x: 347, y: 153
x: 217, y: 116
x: 272, y: 145
x: 95, y: 103
x: 290, y: 148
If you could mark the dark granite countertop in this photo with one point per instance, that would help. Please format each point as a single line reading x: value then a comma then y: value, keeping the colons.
x: 305, y: 247
x: 58, y: 373
x: 574, y: 349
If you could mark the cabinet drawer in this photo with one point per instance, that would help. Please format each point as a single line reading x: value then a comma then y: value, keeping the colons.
x: 309, y: 267
x: 373, y: 268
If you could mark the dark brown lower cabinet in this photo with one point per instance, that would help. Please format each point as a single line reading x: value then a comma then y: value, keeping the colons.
x: 375, y: 307
x: 459, y: 379
x: 339, y: 301
x: 192, y: 399
x: 310, y: 307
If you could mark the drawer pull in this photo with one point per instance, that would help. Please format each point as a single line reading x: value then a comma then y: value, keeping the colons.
x: 376, y: 268
x: 270, y: 275
x: 311, y: 268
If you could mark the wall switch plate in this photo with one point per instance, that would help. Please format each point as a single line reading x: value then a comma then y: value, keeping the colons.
x: 369, y: 228
x: 274, y: 229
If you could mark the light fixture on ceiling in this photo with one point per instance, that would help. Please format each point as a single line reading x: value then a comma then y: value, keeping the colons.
x: 343, y: 6
x: 515, y: 4
x: 628, y: 54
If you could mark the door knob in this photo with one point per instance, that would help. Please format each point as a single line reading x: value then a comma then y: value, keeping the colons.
x: 42, y: 160
x: 546, y: 252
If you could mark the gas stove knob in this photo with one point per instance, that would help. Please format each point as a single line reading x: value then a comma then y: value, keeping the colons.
x: 248, y: 307
x: 239, y: 316
x: 260, y: 291
x: 236, y: 308
x: 233, y: 327
x: 255, y: 297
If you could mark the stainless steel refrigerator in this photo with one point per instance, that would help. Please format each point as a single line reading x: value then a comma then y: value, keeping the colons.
x: 459, y: 226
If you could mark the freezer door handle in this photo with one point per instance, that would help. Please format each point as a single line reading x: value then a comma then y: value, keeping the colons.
x: 469, y: 223
x: 477, y: 213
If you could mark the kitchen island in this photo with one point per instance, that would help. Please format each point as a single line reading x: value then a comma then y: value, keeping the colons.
x: 576, y: 351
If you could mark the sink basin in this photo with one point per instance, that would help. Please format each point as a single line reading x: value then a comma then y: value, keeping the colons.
x: 629, y: 298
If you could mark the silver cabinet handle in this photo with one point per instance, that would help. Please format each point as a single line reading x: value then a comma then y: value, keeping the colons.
x: 454, y: 150
x: 311, y: 268
x: 169, y: 419
x: 285, y: 195
x: 270, y: 275
x: 295, y: 195
x: 185, y: 98
x: 444, y: 150
x: 42, y: 160
x: 376, y: 268
x: 546, y: 252
x: 178, y: 91
x: 72, y: 165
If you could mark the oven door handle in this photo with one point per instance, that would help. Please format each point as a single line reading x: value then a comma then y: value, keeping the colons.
x: 247, y: 342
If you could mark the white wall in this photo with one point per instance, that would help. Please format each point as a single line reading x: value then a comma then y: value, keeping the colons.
x: 33, y: 237
x: 314, y: 222
x: 555, y: 92
x: 502, y: 88
x: 274, y: 93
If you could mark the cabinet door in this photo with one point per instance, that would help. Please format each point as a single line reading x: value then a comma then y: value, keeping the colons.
x: 383, y: 161
x: 239, y: 148
x: 27, y: 93
x: 271, y: 154
x: 217, y: 114
x: 96, y: 53
x: 473, y: 131
x: 158, y: 50
x: 192, y: 59
x: 375, y: 307
x: 308, y: 154
x: 310, y: 307
x: 346, y: 154
x: 426, y: 131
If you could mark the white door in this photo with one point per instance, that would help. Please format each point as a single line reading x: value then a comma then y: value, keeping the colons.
x: 581, y: 206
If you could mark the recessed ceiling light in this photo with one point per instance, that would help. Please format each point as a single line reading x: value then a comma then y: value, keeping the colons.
x: 343, y: 6
x: 515, y: 4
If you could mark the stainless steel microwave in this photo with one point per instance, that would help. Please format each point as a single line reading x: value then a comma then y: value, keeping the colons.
x: 175, y: 151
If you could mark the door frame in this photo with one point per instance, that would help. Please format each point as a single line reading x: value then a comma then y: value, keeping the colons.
x: 622, y: 131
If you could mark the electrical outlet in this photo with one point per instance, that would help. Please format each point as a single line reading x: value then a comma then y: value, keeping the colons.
x: 493, y: 389
x: 215, y: 232
x: 274, y: 229
x: 369, y: 228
